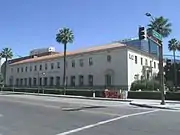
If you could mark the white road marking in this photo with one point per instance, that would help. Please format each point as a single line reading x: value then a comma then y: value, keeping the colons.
x: 104, y: 122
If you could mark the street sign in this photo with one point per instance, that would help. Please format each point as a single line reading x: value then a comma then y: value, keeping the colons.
x: 156, y: 35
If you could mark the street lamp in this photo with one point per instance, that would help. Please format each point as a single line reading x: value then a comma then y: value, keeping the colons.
x: 161, y: 69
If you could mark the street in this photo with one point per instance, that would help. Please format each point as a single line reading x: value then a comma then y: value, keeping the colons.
x: 38, y: 115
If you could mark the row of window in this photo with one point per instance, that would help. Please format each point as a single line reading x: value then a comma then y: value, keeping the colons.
x: 40, y: 68
x: 51, y: 81
x: 146, y: 62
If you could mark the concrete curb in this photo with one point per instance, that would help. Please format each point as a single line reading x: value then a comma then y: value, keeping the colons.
x: 152, y: 106
x: 67, y: 96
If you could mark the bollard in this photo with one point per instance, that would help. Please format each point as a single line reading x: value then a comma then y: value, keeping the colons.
x: 94, y: 94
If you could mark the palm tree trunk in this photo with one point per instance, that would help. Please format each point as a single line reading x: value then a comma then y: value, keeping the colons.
x: 5, y: 71
x: 175, y: 73
x: 64, y: 74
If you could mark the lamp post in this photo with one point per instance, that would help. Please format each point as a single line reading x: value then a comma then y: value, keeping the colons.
x: 161, y: 69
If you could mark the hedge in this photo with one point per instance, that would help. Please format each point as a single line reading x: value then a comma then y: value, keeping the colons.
x: 144, y: 95
x: 153, y: 95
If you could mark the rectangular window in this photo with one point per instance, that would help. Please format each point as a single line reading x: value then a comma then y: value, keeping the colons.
x: 146, y: 62
x: 26, y: 69
x: 35, y: 68
x: 52, y: 65
x: 17, y: 70
x: 40, y: 81
x: 51, y: 81
x: 90, y: 61
x: 150, y: 63
x: 58, y: 81
x: 58, y: 64
x: 81, y: 63
x: 135, y: 59
x: 17, y: 82
x: 81, y: 80
x: 30, y: 81
x: 11, y: 70
x: 34, y: 81
x: 109, y: 58
x: 154, y: 64
x: 21, y: 82
x: 73, y: 80
x: 45, y: 81
x: 73, y: 63
x: 46, y: 66
x: 141, y: 61
x: 40, y: 67
x: 22, y: 69
x: 90, y: 80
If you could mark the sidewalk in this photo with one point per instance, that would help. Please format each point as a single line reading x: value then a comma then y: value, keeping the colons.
x: 66, y: 96
x: 169, y: 104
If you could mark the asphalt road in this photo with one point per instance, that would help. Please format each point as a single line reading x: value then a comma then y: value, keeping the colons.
x: 33, y: 115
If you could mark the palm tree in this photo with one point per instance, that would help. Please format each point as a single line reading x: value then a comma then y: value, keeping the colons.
x: 7, y: 54
x: 173, y: 45
x: 161, y: 25
x: 65, y: 36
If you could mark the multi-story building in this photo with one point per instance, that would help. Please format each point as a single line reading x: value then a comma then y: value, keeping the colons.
x: 113, y: 64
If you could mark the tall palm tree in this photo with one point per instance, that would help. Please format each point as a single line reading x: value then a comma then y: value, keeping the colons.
x: 173, y: 45
x: 65, y: 36
x: 7, y: 54
x: 161, y: 25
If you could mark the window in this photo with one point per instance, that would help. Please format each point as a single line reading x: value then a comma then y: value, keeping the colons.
x: 34, y: 82
x: 11, y: 70
x: 57, y: 81
x: 51, y: 81
x: 73, y: 80
x: 135, y: 59
x: 90, y: 61
x: 46, y: 66
x: 58, y: 64
x: 150, y: 63
x: 30, y: 68
x: 108, y: 80
x: 146, y: 63
x: 141, y: 61
x: 22, y: 69
x: 73, y: 63
x: 52, y: 65
x: 81, y: 80
x: 17, y: 70
x: 35, y: 68
x: 154, y: 64
x: 17, y: 82
x: 40, y: 67
x: 26, y: 69
x: 30, y: 81
x: 109, y: 58
x: 45, y: 81
x: 81, y: 63
x: 21, y: 82
x: 90, y: 80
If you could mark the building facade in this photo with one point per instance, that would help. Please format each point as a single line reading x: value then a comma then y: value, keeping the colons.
x: 109, y: 65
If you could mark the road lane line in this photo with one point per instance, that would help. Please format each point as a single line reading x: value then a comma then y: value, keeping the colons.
x: 104, y: 122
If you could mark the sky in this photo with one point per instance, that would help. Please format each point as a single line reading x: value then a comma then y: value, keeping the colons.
x: 30, y: 24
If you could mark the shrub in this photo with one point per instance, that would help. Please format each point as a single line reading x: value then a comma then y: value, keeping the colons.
x: 145, y: 85
x: 144, y: 95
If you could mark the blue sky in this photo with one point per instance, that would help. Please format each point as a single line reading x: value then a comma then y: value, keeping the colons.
x: 30, y: 24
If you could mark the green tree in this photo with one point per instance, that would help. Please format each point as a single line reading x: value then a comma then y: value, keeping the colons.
x: 173, y: 45
x: 1, y: 80
x: 7, y: 54
x: 65, y: 36
x: 161, y: 25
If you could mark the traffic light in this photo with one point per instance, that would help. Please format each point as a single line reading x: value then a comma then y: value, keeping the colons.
x: 142, y: 33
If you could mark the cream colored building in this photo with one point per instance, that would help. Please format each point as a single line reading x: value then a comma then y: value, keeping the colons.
x: 112, y: 64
